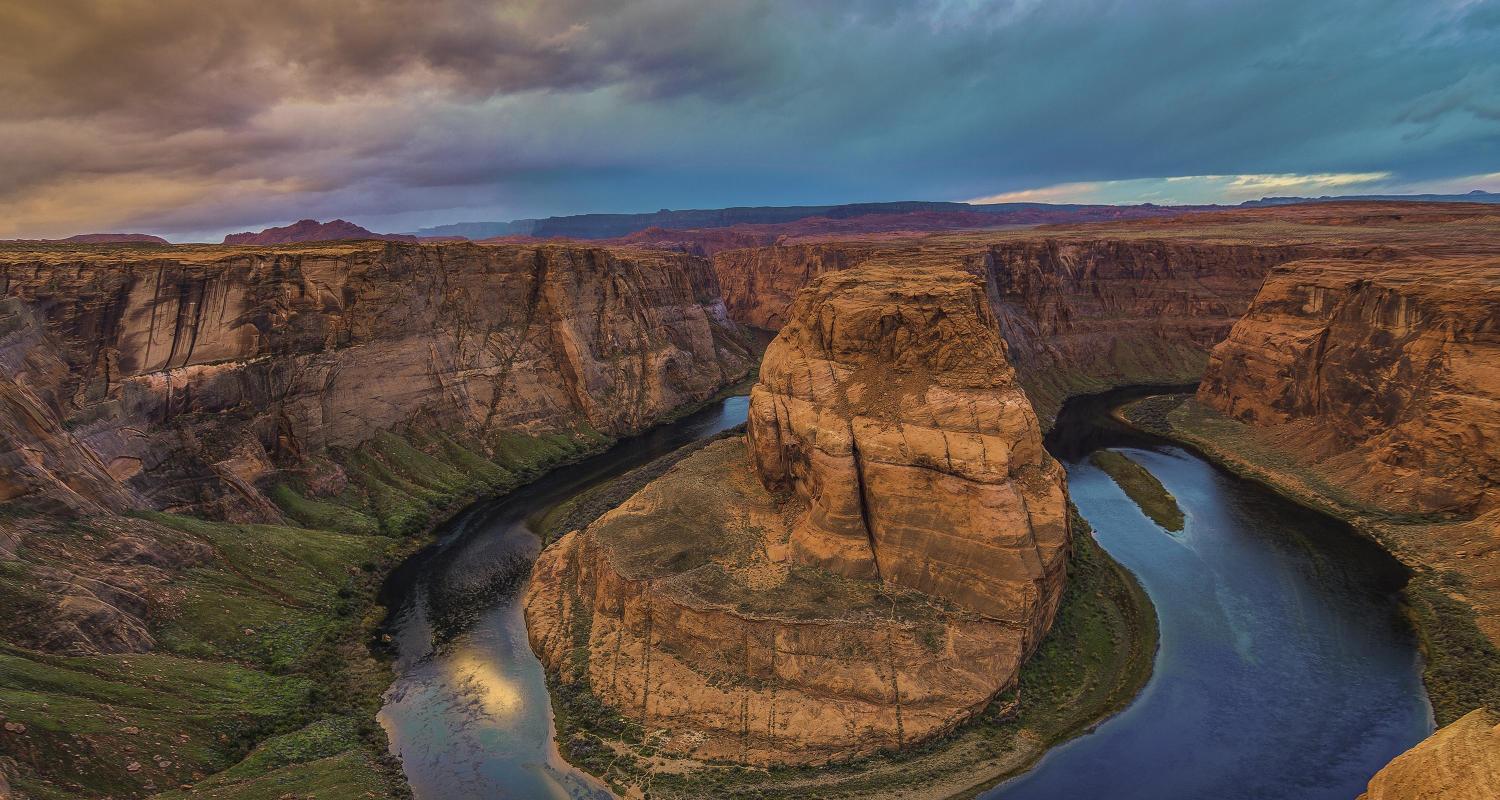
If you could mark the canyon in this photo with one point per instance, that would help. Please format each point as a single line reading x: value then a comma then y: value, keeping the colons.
x: 201, y: 429
x: 867, y: 569
x: 185, y: 429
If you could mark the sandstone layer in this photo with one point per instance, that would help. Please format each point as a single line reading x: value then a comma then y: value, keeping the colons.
x: 1087, y: 307
x: 1080, y: 311
x: 1389, y: 373
x: 1459, y: 762
x: 866, y: 570
x: 181, y: 379
x: 351, y: 386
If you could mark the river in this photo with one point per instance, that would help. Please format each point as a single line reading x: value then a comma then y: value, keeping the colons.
x: 1285, y: 668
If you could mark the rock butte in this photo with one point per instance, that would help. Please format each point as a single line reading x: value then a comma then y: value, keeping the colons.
x: 866, y: 570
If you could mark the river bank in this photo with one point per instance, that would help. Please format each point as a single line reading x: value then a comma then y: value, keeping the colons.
x: 1461, y: 668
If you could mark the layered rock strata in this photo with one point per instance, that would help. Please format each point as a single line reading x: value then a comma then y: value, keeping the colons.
x: 1388, y: 373
x: 865, y: 570
x: 357, y: 388
x: 1080, y: 312
x: 180, y: 381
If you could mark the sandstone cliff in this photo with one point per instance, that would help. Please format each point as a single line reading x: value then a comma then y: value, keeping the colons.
x: 1459, y: 762
x: 866, y: 570
x: 1389, y: 374
x: 1080, y: 311
x: 356, y: 386
x: 182, y: 381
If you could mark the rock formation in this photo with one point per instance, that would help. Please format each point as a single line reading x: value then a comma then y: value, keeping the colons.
x: 1388, y: 372
x: 182, y: 381
x: 866, y: 569
x: 311, y: 230
x: 362, y: 383
x: 1080, y: 311
x: 1459, y: 762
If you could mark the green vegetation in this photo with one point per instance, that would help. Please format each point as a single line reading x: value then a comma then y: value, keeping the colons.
x: 262, y: 675
x: 1141, y: 487
x: 1096, y: 658
x: 578, y: 511
x: 1461, y: 666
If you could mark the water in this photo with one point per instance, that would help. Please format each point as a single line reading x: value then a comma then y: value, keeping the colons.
x: 1285, y: 668
x: 469, y: 714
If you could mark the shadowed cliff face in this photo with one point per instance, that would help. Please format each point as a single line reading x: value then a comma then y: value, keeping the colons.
x: 865, y: 570
x: 1391, y: 372
x: 1079, y: 313
x: 181, y: 383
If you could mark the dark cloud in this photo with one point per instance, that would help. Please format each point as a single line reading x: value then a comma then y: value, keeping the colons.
x: 192, y: 117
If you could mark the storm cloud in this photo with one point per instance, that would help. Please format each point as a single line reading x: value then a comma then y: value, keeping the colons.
x: 191, y: 118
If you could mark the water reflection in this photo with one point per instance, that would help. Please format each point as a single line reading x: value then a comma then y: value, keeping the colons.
x: 1285, y: 671
x: 469, y: 713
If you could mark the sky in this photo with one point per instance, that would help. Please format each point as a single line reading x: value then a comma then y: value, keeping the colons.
x: 191, y: 119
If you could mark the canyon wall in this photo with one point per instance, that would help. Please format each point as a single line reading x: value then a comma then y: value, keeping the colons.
x: 1387, y: 376
x: 354, y: 388
x: 1079, y: 312
x: 180, y: 381
x: 864, y: 570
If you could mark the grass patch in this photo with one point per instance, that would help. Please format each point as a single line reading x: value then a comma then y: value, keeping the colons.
x: 1461, y: 665
x: 322, y: 514
x: 1141, y: 487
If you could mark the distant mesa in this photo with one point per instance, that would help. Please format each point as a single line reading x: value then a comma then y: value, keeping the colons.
x: 311, y: 230
x: 101, y: 238
x: 114, y: 238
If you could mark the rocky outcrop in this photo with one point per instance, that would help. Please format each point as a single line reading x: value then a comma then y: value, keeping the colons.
x: 182, y: 383
x: 1384, y: 375
x: 1459, y: 762
x: 888, y: 406
x: 311, y: 230
x: 865, y: 570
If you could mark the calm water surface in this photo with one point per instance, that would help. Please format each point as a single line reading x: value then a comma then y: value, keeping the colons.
x: 468, y: 713
x: 1285, y: 669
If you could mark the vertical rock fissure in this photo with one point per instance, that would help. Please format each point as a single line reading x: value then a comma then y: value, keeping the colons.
x: 864, y: 503
x: 646, y: 668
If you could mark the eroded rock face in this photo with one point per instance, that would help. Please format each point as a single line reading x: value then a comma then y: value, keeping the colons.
x: 181, y: 381
x: 866, y: 569
x: 1388, y: 373
x: 205, y: 380
x: 1459, y: 762
x: 889, y: 406
x: 1080, y: 312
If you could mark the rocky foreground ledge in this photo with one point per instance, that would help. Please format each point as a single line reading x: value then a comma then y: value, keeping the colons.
x: 867, y: 569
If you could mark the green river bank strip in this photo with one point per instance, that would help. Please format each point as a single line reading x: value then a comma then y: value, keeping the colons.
x: 1092, y: 664
x: 1142, y: 488
x: 1461, y: 666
